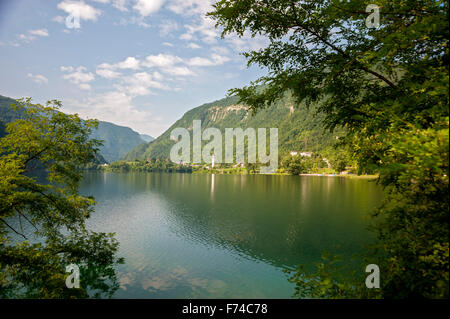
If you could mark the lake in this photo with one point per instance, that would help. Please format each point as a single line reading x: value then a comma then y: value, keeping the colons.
x: 226, y: 236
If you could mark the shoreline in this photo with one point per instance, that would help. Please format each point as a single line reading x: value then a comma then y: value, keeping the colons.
x: 342, y: 175
x: 218, y: 172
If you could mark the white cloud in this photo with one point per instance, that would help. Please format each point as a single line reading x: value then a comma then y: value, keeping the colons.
x: 32, y: 34
x: 78, y: 76
x: 203, y: 26
x: 120, y: 5
x: 107, y: 73
x: 58, y: 19
x: 205, y: 29
x: 39, y: 32
x: 84, y: 86
x: 178, y: 71
x: 174, y: 65
x: 167, y: 44
x: 38, y: 78
x: 167, y: 27
x: 157, y: 76
x: 216, y: 59
x: 198, y: 61
x: 219, y: 59
x: 194, y: 46
x: 140, y: 84
x: 116, y: 107
x: 147, y: 7
x: 169, y: 64
x: 220, y: 50
x: 79, y: 9
x: 186, y: 36
x: 161, y: 60
x: 128, y: 63
x: 67, y: 68
x: 164, y: 69
x: 190, y: 7
x: 26, y: 37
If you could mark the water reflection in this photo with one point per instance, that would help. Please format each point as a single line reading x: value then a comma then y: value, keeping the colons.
x: 192, y: 235
x: 212, y: 186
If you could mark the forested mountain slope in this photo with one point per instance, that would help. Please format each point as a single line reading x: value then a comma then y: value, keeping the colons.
x: 299, y: 128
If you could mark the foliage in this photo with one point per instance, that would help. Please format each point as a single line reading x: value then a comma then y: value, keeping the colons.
x: 334, y: 278
x: 42, y: 216
x: 294, y: 164
x: 117, y: 140
x: 388, y: 86
x: 148, y: 166
x: 339, y: 160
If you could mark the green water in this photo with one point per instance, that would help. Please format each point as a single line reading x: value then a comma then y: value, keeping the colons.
x: 226, y: 236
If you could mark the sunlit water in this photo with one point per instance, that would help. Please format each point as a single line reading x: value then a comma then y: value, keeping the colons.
x: 225, y: 236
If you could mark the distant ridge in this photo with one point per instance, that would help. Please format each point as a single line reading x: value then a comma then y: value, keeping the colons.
x: 147, y: 138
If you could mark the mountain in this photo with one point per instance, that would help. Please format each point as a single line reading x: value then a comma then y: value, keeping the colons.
x: 7, y: 113
x: 147, y: 138
x: 117, y: 140
x: 299, y: 127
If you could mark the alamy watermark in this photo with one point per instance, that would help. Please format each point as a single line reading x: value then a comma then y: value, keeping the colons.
x: 73, y: 21
x: 73, y: 280
x: 373, y: 280
x: 234, y: 143
x: 373, y: 19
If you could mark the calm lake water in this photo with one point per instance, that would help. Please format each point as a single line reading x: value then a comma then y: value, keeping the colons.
x: 226, y: 236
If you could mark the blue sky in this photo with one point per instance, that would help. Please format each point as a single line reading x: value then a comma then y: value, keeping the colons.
x: 137, y: 63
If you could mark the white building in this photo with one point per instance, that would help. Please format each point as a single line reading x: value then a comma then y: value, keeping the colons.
x: 306, y: 154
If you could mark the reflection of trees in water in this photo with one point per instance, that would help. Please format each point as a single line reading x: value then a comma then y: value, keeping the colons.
x: 280, y: 220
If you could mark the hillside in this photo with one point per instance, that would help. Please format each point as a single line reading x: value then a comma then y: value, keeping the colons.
x: 147, y: 138
x: 7, y: 114
x: 299, y: 128
x: 117, y: 140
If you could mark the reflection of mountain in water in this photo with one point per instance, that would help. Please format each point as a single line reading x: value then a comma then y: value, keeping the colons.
x: 283, y: 221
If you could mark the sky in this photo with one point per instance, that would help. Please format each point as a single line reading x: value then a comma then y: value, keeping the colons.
x: 135, y: 63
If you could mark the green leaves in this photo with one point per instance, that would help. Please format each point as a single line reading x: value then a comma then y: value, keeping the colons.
x: 39, y: 202
x: 388, y: 87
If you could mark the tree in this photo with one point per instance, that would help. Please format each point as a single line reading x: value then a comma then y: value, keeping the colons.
x: 388, y: 86
x: 296, y: 165
x: 251, y: 167
x: 339, y: 161
x: 42, y: 218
